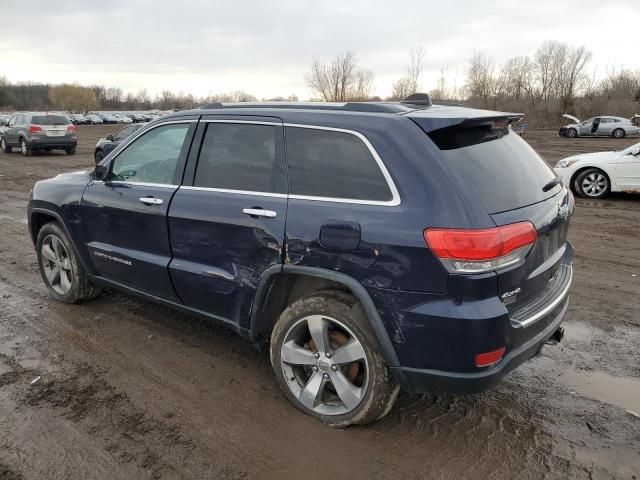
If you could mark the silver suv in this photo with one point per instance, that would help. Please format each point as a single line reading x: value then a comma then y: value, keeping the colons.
x: 39, y: 131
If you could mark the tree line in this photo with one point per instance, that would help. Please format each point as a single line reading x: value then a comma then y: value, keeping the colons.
x: 557, y: 78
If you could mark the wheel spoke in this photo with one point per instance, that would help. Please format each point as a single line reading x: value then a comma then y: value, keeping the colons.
x: 48, y: 253
x: 57, y: 247
x: 296, y: 355
x: 349, y: 353
x: 310, y: 394
x: 66, y: 264
x: 319, y: 333
x: 65, y: 280
x: 347, y: 391
x: 53, y: 274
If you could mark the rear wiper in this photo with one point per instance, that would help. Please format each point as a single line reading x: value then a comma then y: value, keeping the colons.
x: 551, y: 184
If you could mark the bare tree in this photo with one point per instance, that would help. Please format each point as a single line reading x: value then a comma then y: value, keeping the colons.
x: 416, y: 65
x: 481, y: 83
x: 441, y: 92
x: 402, y: 88
x: 340, y: 80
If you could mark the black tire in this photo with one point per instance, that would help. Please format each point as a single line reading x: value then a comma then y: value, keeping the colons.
x: 562, y: 132
x: 618, y: 133
x: 592, y: 183
x: 25, y: 148
x: 81, y: 288
x: 571, y: 133
x: 99, y: 156
x: 378, y: 389
x: 70, y: 150
x: 4, y: 147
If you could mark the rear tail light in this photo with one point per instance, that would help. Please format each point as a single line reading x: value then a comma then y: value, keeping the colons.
x: 489, y: 358
x: 71, y: 129
x: 35, y: 129
x: 481, y: 250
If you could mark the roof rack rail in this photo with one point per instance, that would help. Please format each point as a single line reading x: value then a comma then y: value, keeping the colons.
x: 379, y: 107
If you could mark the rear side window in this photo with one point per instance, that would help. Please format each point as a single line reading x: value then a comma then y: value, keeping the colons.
x: 49, y: 120
x: 332, y: 164
x: 501, y: 168
x: 240, y: 157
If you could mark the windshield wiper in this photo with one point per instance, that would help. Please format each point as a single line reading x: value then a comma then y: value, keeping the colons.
x: 551, y: 184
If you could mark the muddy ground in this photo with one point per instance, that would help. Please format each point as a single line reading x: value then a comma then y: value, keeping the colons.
x: 131, y: 390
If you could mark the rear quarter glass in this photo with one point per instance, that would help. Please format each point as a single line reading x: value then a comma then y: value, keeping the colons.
x: 502, y: 169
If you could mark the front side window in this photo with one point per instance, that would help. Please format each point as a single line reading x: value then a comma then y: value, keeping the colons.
x: 122, y: 134
x: 333, y: 164
x: 240, y: 157
x: 153, y: 157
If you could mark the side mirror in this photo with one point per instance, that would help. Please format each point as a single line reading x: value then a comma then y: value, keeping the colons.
x: 101, y: 172
x: 110, y: 138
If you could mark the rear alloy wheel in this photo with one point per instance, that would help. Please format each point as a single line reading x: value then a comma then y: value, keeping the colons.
x: 4, y: 147
x: 24, y: 148
x: 70, y: 150
x: 572, y: 133
x: 619, y: 133
x: 592, y: 183
x: 327, y: 361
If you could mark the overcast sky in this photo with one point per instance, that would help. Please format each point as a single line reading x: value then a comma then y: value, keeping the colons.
x: 266, y: 47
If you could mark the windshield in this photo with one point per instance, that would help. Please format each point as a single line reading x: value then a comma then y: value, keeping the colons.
x: 500, y: 167
x: 50, y: 120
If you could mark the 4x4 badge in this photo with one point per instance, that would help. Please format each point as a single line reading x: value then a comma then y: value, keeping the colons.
x: 510, y: 297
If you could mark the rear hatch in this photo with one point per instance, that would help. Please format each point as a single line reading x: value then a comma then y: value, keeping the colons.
x: 514, y: 184
x: 52, y: 125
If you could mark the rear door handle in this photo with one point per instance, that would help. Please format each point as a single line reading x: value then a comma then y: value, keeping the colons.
x: 259, y: 212
x: 151, y: 200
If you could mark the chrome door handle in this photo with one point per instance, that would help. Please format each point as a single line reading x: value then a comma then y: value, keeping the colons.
x: 258, y: 212
x: 151, y: 200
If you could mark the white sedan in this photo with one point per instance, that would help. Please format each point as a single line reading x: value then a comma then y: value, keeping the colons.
x: 594, y: 175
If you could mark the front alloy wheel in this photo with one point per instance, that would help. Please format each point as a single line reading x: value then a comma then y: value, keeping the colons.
x: 56, y: 265
x: 592, y: 183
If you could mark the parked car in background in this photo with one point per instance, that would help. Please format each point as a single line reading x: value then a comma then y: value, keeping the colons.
x: 122, y: 118
x: 423, y: 248
x: 108, y: 118
x: 39, y: 131
x: 603, y: 126
x: 94, y: 119
x: 79, y: 119
x: 595, y: 175
x: 138, y: 118
x: 110, y: 142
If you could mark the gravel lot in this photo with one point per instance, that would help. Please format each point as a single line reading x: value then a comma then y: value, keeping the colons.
x: 131, y: 390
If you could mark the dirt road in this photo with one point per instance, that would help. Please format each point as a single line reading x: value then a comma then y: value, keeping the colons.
x: 119, y: 388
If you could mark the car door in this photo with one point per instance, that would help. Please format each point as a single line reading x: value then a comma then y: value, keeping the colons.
x: 628, y: 169
x: 10, y: 135
x: 124, y: 217
x: 227, y: 221
x: 586, y: 127
x: 606, y: 126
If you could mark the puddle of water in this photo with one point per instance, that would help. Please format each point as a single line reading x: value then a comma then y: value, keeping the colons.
x: 623, y: 392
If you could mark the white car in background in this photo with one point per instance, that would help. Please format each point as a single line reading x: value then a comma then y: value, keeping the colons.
x: 594, y: 175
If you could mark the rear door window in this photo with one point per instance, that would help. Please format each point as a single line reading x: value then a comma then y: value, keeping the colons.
x: 334, y: 165
x: 501, y: 168
x: 49, y: 120
x: 241, y: 157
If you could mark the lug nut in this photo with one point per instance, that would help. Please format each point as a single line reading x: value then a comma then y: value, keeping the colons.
x: 317, y: 355
x: 315, y: 368
x: 328, y: 354
x: 326, y: 375
x: 334, y: 367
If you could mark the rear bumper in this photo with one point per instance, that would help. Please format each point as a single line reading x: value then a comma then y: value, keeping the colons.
x: 53, y: 142
x: 437, y: 381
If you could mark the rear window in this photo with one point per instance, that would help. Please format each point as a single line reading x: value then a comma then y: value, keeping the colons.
x: 49, y: 120
x: 331, y: 164
x: 501, y: 168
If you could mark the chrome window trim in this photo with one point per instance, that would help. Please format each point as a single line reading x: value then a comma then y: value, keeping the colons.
x: 395, y: 195
x: 251, y: 122
x: 548, y: 308
x: 140, y: 184
x: 240, y: 192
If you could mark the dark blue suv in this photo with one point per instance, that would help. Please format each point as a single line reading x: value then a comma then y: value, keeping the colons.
x: 368, y: 246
